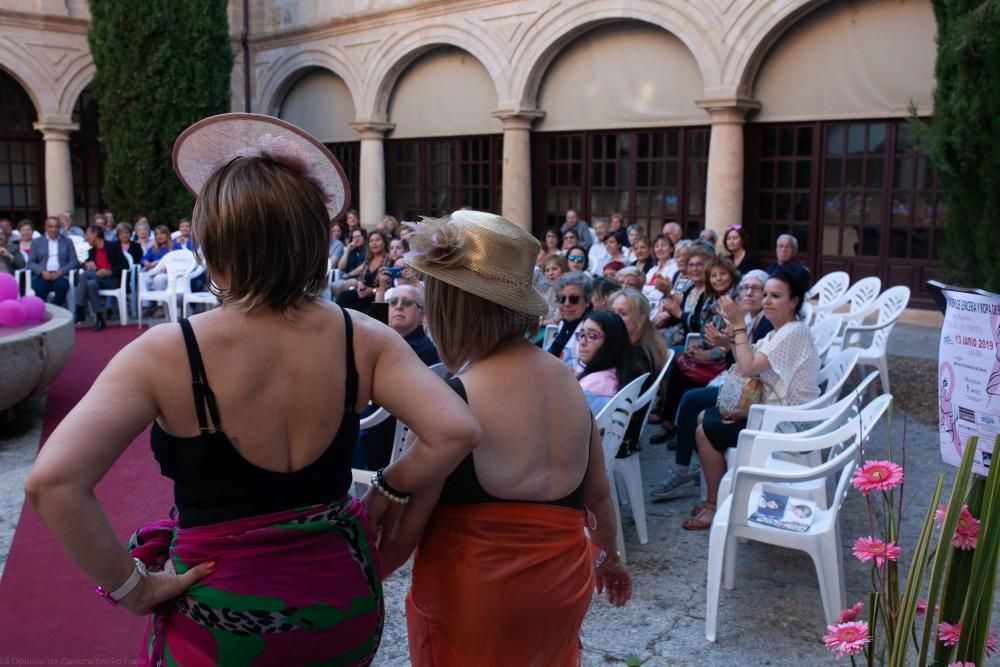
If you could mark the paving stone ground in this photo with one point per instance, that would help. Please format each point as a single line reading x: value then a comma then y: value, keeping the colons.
x: 773, y: 617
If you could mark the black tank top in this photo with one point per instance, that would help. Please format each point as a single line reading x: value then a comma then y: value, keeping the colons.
x: 462, y: 486
x: 214, y: 483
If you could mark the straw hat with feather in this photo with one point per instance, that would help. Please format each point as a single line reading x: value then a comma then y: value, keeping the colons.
x: 480, y: 253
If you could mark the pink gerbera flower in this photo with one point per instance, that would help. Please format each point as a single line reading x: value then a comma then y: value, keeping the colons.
x: 991, y: 643
x: 922, y: 606
x: 846, y: 638
x: 949, y: 633
x: 867, y: 548
x: 967, y: 530
x: 850, y: 613
x: 940, y: 513
x: 961, y: 664
x: 877, y: 476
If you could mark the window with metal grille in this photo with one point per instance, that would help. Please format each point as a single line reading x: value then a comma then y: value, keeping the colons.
x: 348, y: 154
x: 87, y: 157
x: 21, y: 155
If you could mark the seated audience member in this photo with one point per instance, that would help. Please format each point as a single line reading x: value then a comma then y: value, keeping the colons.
x: 786, y: 252
x: 597, y: 256
x: 183, y: 240
x: 552, y: 243
x: 616, y: 226
x: 66, y: 226
x: 26, y: 235
x: 615, y: 253
x: 630, y: 277
x: 574, y: 291
x: 51, y: 259
x: 11, y: 259
x: 110, y: 235
x: 649, y: 353
x: 738, y: 251
x: 611, y: 269
x: 678, y: 278
x: 8, y: 229
x: 553, y: 268
x: 580, y: 228
x: 606, y: 355
x: 376, y: 258
x: 153, y: 279
x: 397, y: 248
x: 681, y: 314
x: 657, y: 284
x: 102, y: 270
x: 143, y: 236
x: 352, y: 262
x: 337, y: 247
x: 697, y: 365
x: 576, y: 257
x: 785, y: 361
x: 673, y: 231
x: 352, y: 221
x: 634, y: 232
x: 406, y: 317
x: 694, y: 401
x: 642, y: 254
x: 709, y: 236
x: 602, y: 289
x: 128, y: 246
x: 389, y: 226
x: 570, y: 240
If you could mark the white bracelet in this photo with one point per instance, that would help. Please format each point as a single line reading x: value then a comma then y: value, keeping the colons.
x: 138, y: 573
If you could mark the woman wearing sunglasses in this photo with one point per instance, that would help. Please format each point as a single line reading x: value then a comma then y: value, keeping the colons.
x: 576, y: 258
x: 737, y: 243
x: 606, y: 355
x: 574, y: 292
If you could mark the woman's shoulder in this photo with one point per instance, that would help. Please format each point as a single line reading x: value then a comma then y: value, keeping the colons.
x: 601, y: 383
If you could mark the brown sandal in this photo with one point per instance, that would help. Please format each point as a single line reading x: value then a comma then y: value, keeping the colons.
x: 699, y: 521
x: 696, y: 510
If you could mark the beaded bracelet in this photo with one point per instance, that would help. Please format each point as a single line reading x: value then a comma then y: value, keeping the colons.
x: 380, y: 485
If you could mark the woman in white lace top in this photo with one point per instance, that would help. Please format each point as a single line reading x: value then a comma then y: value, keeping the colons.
x: 786, y: 362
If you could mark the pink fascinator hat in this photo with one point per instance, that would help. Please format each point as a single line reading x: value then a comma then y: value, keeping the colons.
x: 217, y: 140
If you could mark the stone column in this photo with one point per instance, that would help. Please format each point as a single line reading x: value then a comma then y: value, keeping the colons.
x: 516, y: 195
x: 724, y: 196
x: 58, y: 167
x: 370, y: 201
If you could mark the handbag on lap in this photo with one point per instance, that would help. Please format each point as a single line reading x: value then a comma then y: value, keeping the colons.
x: 700, y: 372
x: 737, y: 393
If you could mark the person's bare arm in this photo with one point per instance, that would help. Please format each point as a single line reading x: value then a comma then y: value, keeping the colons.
x: 77, y: 456
x: 611, y: 574
x: 749, y: 362
x: 397, y: 546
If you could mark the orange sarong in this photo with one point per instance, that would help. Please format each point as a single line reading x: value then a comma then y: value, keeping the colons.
x: 500, y: 584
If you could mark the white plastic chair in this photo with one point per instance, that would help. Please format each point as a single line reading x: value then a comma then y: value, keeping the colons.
x: 824, y: 332
x: 612, y: 422
x: 648, y: 398
x: 822, y: 539
x: 829, y: 288
x: 120, y: 294
x: 188, y: 298
x: 856, y: 298
x: 23, y: 278
x: 889, y: 306
x: 550, y: 332
x: 178, y: 264
x: 81, y: 247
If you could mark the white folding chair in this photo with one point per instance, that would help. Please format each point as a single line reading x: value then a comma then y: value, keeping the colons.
x: 550, y: 333
x: 178, y: 264
x: 120, y: 294
x: 822, y: 538
x: 824, y: 332
x: 612, y: 422
x: 889, y: 306
x: 856, y: 299
x: 23, y: 278
x: 648, y: 398
x: 189, y: 298
x: 829, y: 288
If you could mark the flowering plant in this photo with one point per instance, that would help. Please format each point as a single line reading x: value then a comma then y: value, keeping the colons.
x: 956, y: 613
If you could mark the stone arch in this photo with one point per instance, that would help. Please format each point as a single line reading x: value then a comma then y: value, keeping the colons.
x: 32, y: 79
x: 545, y: 41
x: 284, y: 74
x: 761, y: 32
x: 79, y: 76
x: 406, y: 49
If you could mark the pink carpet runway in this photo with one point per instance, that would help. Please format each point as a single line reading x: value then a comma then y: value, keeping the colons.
x: 49, y: 613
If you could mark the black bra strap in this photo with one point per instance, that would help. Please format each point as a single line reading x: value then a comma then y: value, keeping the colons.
x: 199, y: 382
x: 351, y: 391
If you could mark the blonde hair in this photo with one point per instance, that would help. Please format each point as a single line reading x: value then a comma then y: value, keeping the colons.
x: 264, y: 228
x: 651, y: 341
x: 466, y: 327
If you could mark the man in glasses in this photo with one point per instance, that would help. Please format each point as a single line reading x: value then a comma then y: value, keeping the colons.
x: 406, y: 317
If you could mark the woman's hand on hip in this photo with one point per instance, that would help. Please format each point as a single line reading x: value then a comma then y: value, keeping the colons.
x: 158, y: 587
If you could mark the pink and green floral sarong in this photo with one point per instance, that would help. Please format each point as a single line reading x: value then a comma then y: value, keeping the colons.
x: 297, y: 587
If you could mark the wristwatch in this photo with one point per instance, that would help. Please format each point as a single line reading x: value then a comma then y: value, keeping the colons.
x: 115, y: 596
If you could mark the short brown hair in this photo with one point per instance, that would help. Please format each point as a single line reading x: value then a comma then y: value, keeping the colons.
x: 726, y: 265
x: 264, y: 228
x: 466, y: 327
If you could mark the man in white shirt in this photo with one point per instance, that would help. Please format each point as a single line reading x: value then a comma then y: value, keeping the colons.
x: 51, y: 259
x: 598, y: 255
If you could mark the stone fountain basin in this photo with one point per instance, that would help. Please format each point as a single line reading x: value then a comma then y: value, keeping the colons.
x: 33, y: 355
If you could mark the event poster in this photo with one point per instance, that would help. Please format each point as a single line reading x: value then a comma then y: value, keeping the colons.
x: 969, y: 375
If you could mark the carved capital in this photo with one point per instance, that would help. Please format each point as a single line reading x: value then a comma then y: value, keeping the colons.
x: 518, y: 119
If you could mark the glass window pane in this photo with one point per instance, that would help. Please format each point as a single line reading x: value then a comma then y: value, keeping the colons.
x: 923, y: 209
x: 920, y: 243
x: 831, y: 208
x: 904, y: 138
x: 873, y: 209
x: 785, y: 174
x: 804, y: 141
x: 803, y: 171
x: 902, y: 177
x: 16, y: 151
x: 874, y: 176
x: 765, y: 206
x: 900, y: 209
x: 764, y: 238
x: 870, y: 241
x: 898, y: 239
x: 876, y: 138
x: 783, y: 206
x: 924, y: 179
x: 835, y: 135
x: 856, y: 138
x: 852, y: 209
x: 770, y: 142
x: 831, y: 175
x: 767, y: 175
x: 801, y: 206
x: 786, y: 141
x: 671, y: 174
x: 696, y: 203
x: 831, y: 240
x: 852, y: 173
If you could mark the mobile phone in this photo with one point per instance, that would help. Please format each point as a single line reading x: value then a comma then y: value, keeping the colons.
x: 394, y: 271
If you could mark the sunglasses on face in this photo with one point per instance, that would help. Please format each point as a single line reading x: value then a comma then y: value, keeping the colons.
x: 591, y: 336
x: 402, y: 302
x: 575, y: 258
x: 573, y: 299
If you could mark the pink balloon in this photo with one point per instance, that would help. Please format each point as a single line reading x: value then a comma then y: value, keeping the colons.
x: 8, y: 287
x: 34, y: 308
x: 11, y: 313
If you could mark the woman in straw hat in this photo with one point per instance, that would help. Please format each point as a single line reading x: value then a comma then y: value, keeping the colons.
x: 255, y: 415
x: 504, y: 572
